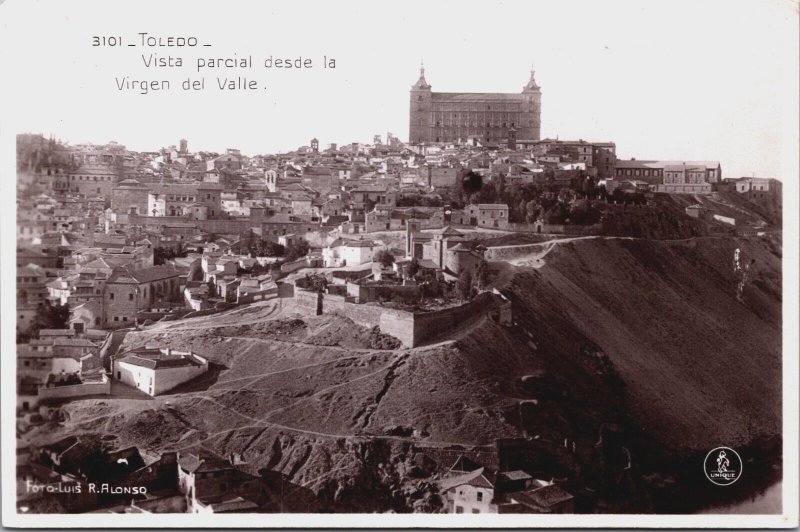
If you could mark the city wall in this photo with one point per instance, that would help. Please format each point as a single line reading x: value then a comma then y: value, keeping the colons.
x: 411, y: 328
x: 429, y: 324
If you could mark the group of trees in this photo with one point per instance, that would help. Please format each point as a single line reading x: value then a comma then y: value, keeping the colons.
x: 582, y: 202
x: 266, y: 248
x: 48, y: 316
x: 299, y: 248
x: 469, y: 284
x: 464, y: 288
x: 386, y: 258
x: 315, y: 282
x: 420, y: 200
x: 162, y: 254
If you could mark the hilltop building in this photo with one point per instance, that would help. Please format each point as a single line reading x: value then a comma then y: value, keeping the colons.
x: 490, y: 116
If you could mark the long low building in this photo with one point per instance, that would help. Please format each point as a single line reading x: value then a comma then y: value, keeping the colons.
x: 656, y: 172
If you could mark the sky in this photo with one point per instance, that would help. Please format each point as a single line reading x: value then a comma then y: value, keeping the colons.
x: 700, y: 80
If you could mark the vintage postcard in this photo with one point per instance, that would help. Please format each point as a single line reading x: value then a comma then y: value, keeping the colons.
x: 399, y: 264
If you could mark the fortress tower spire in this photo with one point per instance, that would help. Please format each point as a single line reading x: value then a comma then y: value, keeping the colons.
x: 532, y: 82
x: 421, y: 84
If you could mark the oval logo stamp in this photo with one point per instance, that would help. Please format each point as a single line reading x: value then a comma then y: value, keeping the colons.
x: 723, y: 466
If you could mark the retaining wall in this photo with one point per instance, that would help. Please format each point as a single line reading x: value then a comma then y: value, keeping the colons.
x: 510, y: 252
x: 559, y: 229
x: 76, y: 390
x: 399, y: 324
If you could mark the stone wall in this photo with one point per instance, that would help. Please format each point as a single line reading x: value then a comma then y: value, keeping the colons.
x: 510, y: 252
x: 553, y: 228
x: 399, y: 324
x: 429, y: 324
x: 387, y: 292
x: 308, y: 301
x: 365, y: 315
x: 76, y: 390
x: 408, y: 327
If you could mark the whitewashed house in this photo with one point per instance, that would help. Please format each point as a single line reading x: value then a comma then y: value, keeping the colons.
x: 155, y: 371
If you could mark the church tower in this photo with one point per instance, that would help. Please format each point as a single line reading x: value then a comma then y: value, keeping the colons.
x: 419, y: 129
x: 512, y: 139
x: 532, y: 114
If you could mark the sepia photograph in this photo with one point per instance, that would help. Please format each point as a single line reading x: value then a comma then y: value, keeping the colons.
x: 362, y: 264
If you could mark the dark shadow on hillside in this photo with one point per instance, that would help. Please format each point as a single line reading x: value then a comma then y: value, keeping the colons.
x: 284, y: 496
x: 201, y: 382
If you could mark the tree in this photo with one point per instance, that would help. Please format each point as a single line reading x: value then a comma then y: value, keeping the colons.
x: 464, y: 285
x: 50, y: 316
x: 472, y: 182
x: 532, y: 211
x: 299, y: 248
x: 386, y: 258
x: 162, y: 254
x: 412, y: 268
x: 431, y: 286
x: 212, y: 288
x: 266, y: 248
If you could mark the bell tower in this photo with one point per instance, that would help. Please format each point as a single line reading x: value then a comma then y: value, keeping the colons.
x: 419, y: 129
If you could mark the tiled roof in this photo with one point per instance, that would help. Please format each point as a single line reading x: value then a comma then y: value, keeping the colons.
x: 56, y: 332
x: 154, y: 359
x: 359, y: 243
x: 236, y: 504
x: 661, y: 164
x: 144, y: 275
x: 204, y: 461
x: 515, y: 475
x: 545, y: 497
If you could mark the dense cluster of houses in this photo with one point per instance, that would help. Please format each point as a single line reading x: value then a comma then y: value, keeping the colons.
x: 123, y: 237
x: 470, y: 488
